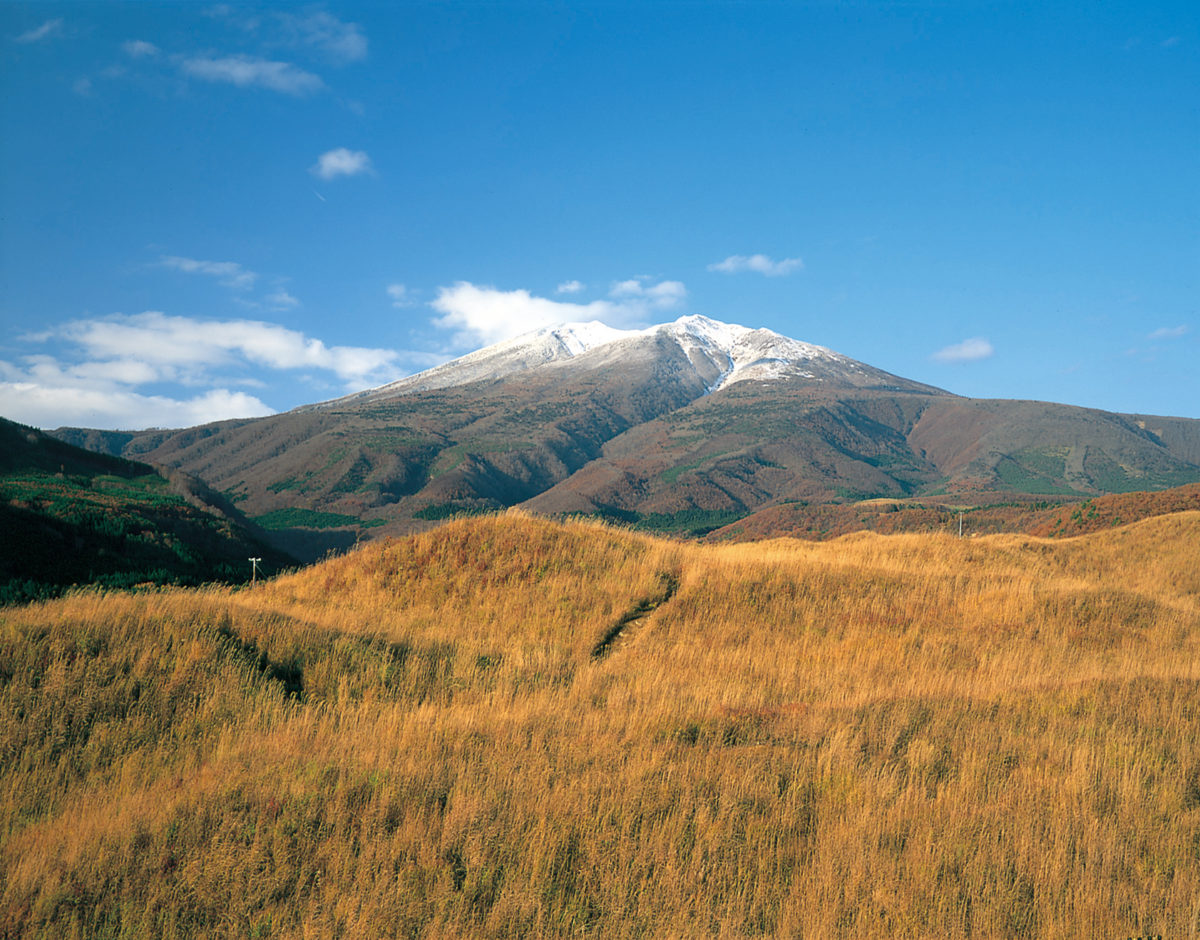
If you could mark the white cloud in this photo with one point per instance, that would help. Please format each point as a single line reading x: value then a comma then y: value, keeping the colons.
x: 103, y: 393
x: 49, y: 407
x: 1169, y: 332
x: 339, y: 42
x: 250, y: 71
x: 761, y: 264
x: 569, y: 287
x: 969, y: 350
x: 341, y: 162
x: 228, y: 273
x: 45, y: 31
x: 100, y: 378
x: 176, y: 345
x: 485, y: 315
x: 82, y: 87
x: 139, y: 49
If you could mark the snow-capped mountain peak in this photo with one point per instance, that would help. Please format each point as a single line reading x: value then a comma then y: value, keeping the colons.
x: 742, y: 354
x: 720, y: 353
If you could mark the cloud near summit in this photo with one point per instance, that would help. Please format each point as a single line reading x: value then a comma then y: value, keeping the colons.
x: 482, y: 315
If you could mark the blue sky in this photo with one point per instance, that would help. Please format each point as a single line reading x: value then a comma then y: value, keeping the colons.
x: 213, y: 211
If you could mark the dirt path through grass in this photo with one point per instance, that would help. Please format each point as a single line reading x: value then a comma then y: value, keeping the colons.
x: 622, y: 631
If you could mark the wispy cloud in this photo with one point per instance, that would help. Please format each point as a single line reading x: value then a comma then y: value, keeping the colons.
x: 480, y: 315
x: 281, y: 300
x: 47, y: 30
x: 969, y: 350
x: 760, y: 264
x: 250, y: 71
x: 227, y: 273
x: 663, y: 295
x: 339, y: 42
x: 569, y: 287
x: 1169, y: 332
x: 313, y: 31
x: 139, y: 49
x: 399, y: 295
x: 341, y: 162
x: 82, y: 87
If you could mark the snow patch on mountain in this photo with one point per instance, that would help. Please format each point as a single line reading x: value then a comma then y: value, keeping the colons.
x: 540, y: 347
x: 744, y: 354
x: 580, y: 337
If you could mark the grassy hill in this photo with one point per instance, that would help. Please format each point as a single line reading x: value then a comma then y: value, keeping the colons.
x: 513, y: 727
x: 71, y: 517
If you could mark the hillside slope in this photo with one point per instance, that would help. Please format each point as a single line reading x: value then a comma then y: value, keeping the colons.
x: 70, y: 517
x: 513, y: 727
x: 1052, y: 518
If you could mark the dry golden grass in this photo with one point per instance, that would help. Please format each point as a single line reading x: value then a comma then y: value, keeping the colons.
x: 903, y: 736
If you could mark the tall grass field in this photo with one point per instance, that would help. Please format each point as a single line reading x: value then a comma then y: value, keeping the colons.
x: 511, y: 727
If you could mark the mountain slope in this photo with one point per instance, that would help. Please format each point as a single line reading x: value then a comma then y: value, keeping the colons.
x: 689, y: 419
x: 1061, y: 517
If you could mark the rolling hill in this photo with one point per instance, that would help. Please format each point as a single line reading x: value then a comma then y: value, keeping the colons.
x: 516, y: 727
x: 686, y: 426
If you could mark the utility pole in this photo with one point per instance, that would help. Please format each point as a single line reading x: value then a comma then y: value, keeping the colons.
x: 960, y: 515
x: 254, y: 570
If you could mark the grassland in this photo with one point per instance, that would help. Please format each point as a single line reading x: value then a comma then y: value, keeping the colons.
x: 444, y: 736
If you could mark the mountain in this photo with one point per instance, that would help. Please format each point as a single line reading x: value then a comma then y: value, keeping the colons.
x: 683, y: 426
x: 719, y: 355
x: 70, y: 516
